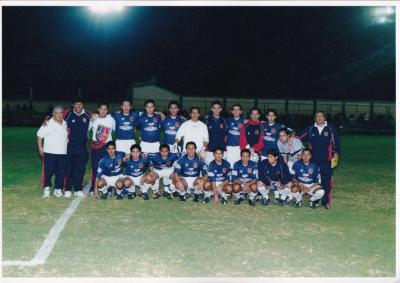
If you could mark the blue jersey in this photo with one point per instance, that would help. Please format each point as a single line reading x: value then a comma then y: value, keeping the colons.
x: 170, y: 127
x: 217, y: 130
x: 78, y: 126
x: 136, y: 168
x: 160, y: 163
x: 150, y: 127
x: 190, y: 167
x: 219, y: 172
x: 110, y: 166
x: 271, y: 136
x: 307, y: 174
x: 278, y: 172
x: 245, y: 173
x: 125, y: 125
x: 234, y: 126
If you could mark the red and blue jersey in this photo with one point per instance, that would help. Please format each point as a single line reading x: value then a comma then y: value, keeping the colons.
x: 170, y: 126
x: 217, y: 130
x: 110, y: 166
x: 244, y: 173
x: 150, y: 127
x: 125, y: 125
x: 233, y: 136
x: 219, y: 172
x: 278, y: 172
x: 136, y: 168
x: 160, y: 163
x: 323, y: 144
x: 252, y: 134
x: 271, y: 136
x: 187, y: 167
x: 307, y: 174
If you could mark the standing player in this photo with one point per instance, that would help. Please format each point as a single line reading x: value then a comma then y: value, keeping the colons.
x: 219, y: 176
x: 150, y: 126
x: 109, y: 172
x: 170, y: 125
x: 290, y: 148
x: 103, y: 125
x: 233, y: 135
x: 325, y: 144
x: 135, y: 171
x: 217, y: 130
x: 125, y: 126
x: 244, y: 178
x: 307, y: 177
x: 163, y: 166
x: 195, y: 131
x: 274, y: 175
x: 271, y: 133
x: 54, y: 152
x: 190, y: 173
x: 252, y: 135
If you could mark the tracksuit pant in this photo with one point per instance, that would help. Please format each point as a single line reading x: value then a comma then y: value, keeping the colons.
x: 96, y: 155
x: 54, y: 164
x: 326, y: 180
x: 77, y: 157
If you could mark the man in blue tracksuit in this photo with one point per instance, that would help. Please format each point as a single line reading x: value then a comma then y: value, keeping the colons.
x: 77, y: 120
x: 325, y: 144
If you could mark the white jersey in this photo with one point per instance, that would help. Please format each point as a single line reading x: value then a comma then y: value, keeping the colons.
x: 55, y: 137
x: 291, y: 149
x: 102, y: 128
x: 196, y: 132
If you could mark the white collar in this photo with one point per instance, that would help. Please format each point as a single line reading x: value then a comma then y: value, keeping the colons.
x: 323, y: 126
x: 83, y: 112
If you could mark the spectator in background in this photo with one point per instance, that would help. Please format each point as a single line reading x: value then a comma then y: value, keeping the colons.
x: 53, y: 152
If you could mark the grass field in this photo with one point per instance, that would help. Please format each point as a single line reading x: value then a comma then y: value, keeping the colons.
x: 356, y: 237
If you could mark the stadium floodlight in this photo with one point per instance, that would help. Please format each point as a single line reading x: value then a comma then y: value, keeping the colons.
x: 383, y: 15
x: 104, y: 10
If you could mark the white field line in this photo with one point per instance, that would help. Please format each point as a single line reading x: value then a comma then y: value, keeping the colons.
x: 51, y: 239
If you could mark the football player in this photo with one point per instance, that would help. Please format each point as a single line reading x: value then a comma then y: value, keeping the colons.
x: 233, y: 135
x: 290, y: 148
x: 190, y: 173
x: 252, y: 135
x: 170, y: 125
x: 307, y: 176
x: 135, y: 173
x: 274, y: 175
x: 271, y: 133
x: 244, y: 178
x: 219, y: 178
x: 162, y: 163
x: 109, y: 172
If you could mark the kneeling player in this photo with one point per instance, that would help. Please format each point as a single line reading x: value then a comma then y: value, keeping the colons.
x: 109, y: 172
x: 274, y: 175
x: 307, y: 177
x: 190, y: 173
x: 135, y: 173
x: 244, y: 178
x: 163, y: 167
x: 219, y: 174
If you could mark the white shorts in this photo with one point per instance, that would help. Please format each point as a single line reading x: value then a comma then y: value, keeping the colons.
x: 171, y: 148
x: 111, y: 181
x: 150, y: 147
x: 254, y: 157
x: 232, y: 154
x: 136, y: 180
x: 290, y: 166
x: 190, y: 181
x: 124, y: 145
x: 165, y: 173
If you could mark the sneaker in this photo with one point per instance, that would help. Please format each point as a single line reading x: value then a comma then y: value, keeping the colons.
x: 89, y: 194
x: 313, y: 204
x: 206, y: 200
x: 165, y: 194
x: 252, y: 202
x: 327, y: 206
x: 46, y: 192
x: 188, y: 196
x: 67, y: 194
x: 157, y: 195
x: 265, y: 202
x: 297, y: 204
x: 78, y: 194
x: 130, y: 196
x: 283, y: 202
x: 145, y: 196
x: 58, y: 193
x: 276, y: 200
x: 175, y: 194
x: 104, y: 195
x: 196, y: 198
x: 182, y: 197
x: 224, y: 201
x: 238, y: 201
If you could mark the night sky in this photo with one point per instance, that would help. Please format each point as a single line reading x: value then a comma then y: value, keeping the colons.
x: 271, y: 52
